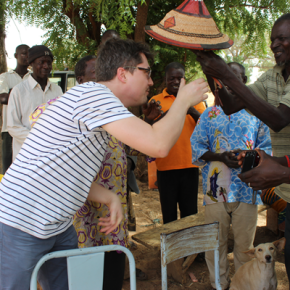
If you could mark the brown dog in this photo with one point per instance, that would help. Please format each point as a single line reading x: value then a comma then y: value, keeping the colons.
x: 259, y: 273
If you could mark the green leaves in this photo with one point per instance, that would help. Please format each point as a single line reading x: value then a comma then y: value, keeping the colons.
x: 74, y: 27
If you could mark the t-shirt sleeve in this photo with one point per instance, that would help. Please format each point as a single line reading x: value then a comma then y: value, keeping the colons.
x: 199, y: 140
x: 96, y: 108
x: 4, y: 88
x: 259, y: 87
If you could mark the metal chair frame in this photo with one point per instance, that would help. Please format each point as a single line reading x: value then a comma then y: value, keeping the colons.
x: 85, y: 266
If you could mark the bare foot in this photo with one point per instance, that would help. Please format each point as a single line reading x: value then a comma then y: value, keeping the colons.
x: 192, y: 277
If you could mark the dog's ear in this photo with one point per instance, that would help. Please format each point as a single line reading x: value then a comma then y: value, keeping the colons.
x: 280, y: 244
x: 250, y: 253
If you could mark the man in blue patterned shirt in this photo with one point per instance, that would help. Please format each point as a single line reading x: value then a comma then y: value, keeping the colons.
x: 227, y: 199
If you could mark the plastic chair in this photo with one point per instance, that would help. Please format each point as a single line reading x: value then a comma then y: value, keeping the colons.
x: 85, y: 267
x: 185, y: 242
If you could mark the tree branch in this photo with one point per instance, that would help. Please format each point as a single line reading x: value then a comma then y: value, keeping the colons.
x: 249, y: 5
x: 72, y: 13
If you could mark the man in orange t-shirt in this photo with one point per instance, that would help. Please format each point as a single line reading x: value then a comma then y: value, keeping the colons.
x: 177, y: 177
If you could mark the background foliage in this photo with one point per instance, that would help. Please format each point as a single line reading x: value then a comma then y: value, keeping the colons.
x: 73, y: 28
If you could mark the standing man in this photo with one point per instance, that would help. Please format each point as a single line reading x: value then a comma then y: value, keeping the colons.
x: 227, y: 199
x: 9, y: 80
x: 268, y: 99
x: 53, y: 174
x: 29, y: 94
x: 177, y: 177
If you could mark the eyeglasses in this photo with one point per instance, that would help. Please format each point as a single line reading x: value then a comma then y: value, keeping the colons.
x: 146, y: 69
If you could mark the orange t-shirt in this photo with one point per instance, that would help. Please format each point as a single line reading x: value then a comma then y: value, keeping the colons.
x: 180, y: 155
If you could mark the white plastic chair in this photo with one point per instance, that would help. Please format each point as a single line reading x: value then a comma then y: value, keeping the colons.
x: 185, y: 242
x: 85, y: 267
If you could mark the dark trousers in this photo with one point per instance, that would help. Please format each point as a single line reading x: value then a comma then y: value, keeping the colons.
x: 180, y: 187
x: 114, y: 270
x: 287, y: 236
x: 6, y: 151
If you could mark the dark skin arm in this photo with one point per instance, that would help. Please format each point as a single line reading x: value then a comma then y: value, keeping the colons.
x: 228, y: 158
x: 4, y: 98
x: 275, y: 117
x: 271, y: 172
x: 195, y: 114
x: 230, y: 103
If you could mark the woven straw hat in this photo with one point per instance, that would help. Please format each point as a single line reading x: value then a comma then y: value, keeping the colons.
x: 190, y: 26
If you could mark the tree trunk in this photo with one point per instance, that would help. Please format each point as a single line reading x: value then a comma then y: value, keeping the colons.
x: 141, y: 19
x: 3, y: 62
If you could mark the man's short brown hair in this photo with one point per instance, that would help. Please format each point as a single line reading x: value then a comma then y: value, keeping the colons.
x: 115, y: 53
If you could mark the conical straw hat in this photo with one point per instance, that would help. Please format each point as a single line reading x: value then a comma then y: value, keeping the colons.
x: 190, y: 26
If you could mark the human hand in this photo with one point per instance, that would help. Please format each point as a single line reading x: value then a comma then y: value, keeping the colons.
x: 268, y: 173
x: 151, y: 110
x: 241, y: 155
x: 116, y: 215
x: 229, y: 158
x: 194, y: 92
x: 212, y: 65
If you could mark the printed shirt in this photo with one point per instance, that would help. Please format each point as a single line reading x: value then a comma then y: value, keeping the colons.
x: 272, y: 88
x: 179, y: 156
x: 217, y: 132
x: 53, y: 172
x: 113, y: 176
x: 24, y: 98
x: 8, y: 81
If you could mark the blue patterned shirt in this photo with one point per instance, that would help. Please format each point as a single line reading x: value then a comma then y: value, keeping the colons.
x: 217, y: 132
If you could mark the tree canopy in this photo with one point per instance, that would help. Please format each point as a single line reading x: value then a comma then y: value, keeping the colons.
x: 74, y: 27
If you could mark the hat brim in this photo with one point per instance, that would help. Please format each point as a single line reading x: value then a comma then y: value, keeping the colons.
x: 191, y: 43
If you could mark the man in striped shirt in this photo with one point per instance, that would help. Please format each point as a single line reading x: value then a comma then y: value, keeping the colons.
x: 54, y: 171
x: 269, y: 100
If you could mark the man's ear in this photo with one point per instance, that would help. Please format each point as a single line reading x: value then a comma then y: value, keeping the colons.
x: 121, y: 74
x: 15, y: 55
x: 80, y: 79
x: 245, y: 79
x: 250, y: 253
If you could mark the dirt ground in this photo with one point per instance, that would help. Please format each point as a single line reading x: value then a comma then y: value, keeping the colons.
x: 147, y: 209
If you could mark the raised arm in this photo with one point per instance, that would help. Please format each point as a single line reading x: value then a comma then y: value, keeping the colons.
x: 157, y: 140
x: 275, y: 117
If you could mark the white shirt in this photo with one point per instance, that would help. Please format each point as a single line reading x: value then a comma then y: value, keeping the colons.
x: 9, y: 80
x: 53, y: 172
x: 24, y: 98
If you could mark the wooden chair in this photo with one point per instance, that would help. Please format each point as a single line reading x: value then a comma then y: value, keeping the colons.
x: 85, y: 267
x: 188, y: 241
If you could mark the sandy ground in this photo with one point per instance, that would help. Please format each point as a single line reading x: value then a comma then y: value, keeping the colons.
x: 147, y: 209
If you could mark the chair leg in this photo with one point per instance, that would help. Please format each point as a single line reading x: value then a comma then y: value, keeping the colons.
x: 164, y: 277
x: 217, y: 270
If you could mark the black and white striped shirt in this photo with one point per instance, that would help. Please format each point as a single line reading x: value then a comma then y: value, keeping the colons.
x: 52, y: 174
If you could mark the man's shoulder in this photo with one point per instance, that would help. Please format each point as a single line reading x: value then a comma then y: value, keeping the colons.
x: 55, y: 87
x: 21, y: 85
x: 270, y: 73
x: 6, y: 74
